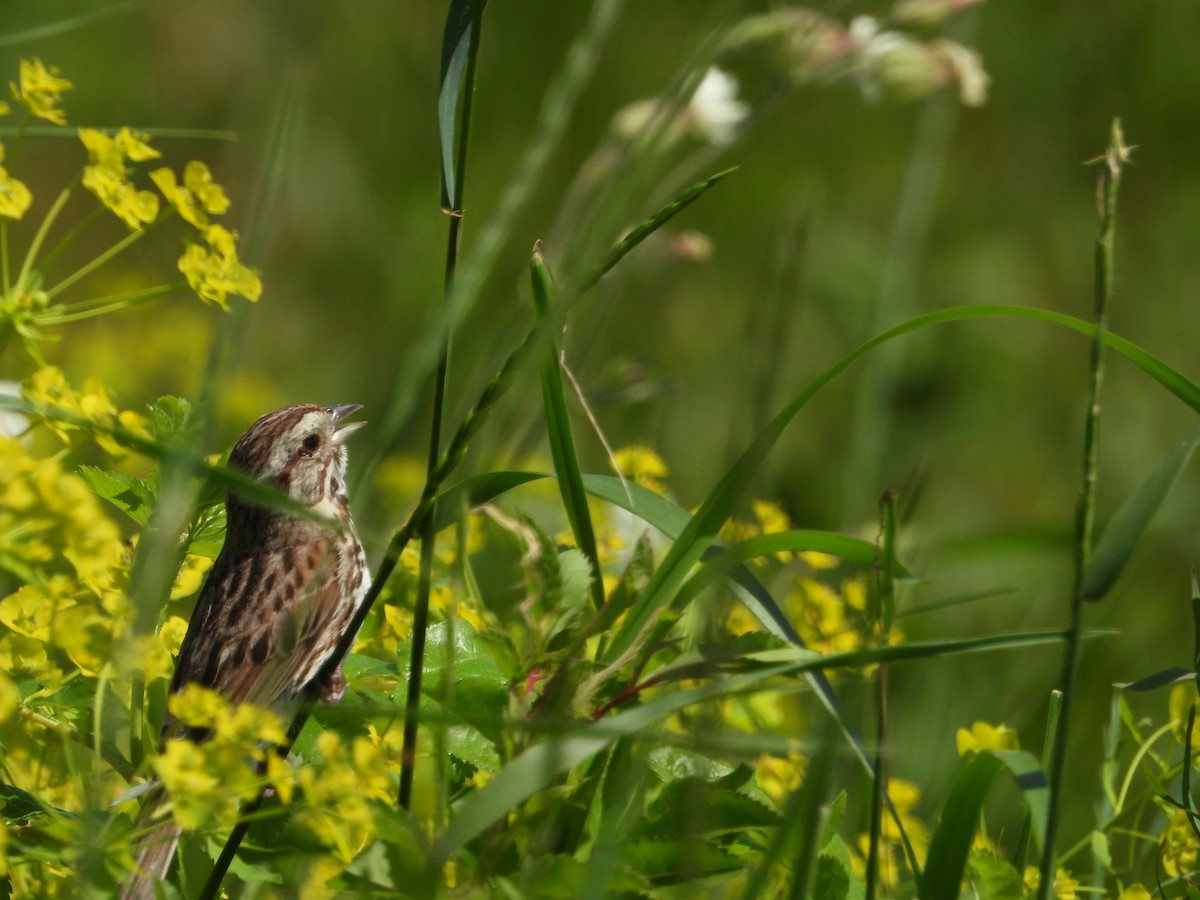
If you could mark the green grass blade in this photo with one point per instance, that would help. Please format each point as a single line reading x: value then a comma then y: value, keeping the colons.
x: 1112, y: 551
x: 62, y: 26
x: 458, y: 44
x: 562, y: 444
x: 716, y: 508
x: 947, y: 859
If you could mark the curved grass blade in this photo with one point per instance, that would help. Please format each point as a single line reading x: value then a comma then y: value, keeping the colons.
x: 1112, y: 551
x: 951, y: 843
x: 562, y: 444
x: 947, y: 859
x: 52, y: 29
x: 459, y: 42
x: 717, y: 507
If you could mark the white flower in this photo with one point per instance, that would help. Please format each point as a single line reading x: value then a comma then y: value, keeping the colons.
x: 715, y: 111
x: 12, y: 423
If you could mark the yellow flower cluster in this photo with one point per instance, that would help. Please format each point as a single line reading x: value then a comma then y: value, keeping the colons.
x: 89, y: 412
x: 107, y: 174
x: 39, y: 90
x: 338, y: 792
x: 214, y: 271
x: 210, y: 264
x: 983, y: 736
x: 15, y: 197
x: 49, y: 517
x: 893, y: 863
x: 780, y: 776
x: 196, y: 197
x: 208, y: 781
x: 643, y: 466
x: 1065, y: 887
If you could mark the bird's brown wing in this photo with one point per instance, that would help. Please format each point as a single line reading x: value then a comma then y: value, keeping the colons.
x: 258, y: 622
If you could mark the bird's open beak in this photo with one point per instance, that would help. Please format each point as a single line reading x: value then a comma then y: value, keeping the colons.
x: 339, y: 413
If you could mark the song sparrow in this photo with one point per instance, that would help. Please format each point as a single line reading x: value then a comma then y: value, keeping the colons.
x: 281, y: 593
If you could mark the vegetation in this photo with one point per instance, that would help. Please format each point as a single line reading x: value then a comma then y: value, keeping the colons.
x: 636, y: 628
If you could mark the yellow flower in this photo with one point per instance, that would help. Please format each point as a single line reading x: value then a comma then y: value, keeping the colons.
x: 171, y: 634
x: 336, y: 793
x: 643, y: 465
x: 31, y: 610
x: 197, y: 794
x: 1179, y: 846
x: 1179, y: 703
x: 779, y: 777
x: 191, y: 576
x: 14, y: 196
x: 39, y: 91
x: 771, y: 520
x: 1134, y: 892
x: 196, y: 197
x: 1064, y: 885
x: 214, y: 272
x: 85, y: 636
x: 198, y: 707
x: 983, y: 736
x: 48, y: 387
x: 817, y: 560
x: 107, y: 175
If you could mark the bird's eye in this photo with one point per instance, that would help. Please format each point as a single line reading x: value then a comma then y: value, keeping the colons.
x: 310, y: 444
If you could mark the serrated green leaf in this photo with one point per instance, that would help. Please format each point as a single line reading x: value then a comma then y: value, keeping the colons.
x: 837, y: 812
x: 677, y: 862
x: 478, y: 686
x: 1112, y: 552
x: 690, y: 808
x: 993, y: 877
x: 206, y: 535
x: 833, y: 879
x: 171, y: 418
x: 133, y: 496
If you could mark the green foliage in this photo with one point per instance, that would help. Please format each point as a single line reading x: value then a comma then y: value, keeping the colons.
x: 567, y: 683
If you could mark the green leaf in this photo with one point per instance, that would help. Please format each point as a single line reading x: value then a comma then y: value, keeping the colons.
x: 835, y: 875
x: 1026, y: 770
x: 558, y: 427
x: 690, y: 808
x: 458, y: 43
x: 1111, y: 553
x: 541, y: 765
x: 677, y: 862
x: 994, y: 877
x: 478, y: 686
x: 951, y: 842
x: 131, y: 495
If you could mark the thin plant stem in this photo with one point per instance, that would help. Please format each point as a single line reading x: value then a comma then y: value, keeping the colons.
x: 429, y: 526
x: 36, y: 244
x: 1110, y: 178
x: 87, y: 269
x: 99, y: 306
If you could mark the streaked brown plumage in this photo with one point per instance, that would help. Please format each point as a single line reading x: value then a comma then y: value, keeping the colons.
x: 281, y: 593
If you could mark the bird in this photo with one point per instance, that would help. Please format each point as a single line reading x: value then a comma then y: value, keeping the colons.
x: 279, y: 597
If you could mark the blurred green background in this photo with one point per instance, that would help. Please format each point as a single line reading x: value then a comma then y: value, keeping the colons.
x: 844, y: 217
